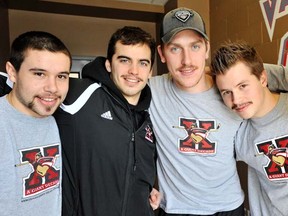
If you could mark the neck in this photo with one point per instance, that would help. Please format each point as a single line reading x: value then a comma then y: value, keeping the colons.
x: 270, y: 101
x: 9, y: 99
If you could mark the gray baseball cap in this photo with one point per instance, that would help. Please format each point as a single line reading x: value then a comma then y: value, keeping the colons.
x: 181, y: 19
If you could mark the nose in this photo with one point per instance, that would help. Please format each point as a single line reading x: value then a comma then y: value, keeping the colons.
x: 236, y: 97
x: 51, y: 85
x: 186, y: 57
x: 133, y: 69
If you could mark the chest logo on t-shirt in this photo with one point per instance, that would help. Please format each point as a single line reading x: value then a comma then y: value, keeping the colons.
x: 276, y: 151
x: 197, y: 136
x: 44, y: 175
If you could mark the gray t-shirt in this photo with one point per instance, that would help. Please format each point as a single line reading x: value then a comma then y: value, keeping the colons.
x: 30, y: 180
x: 196, y: 163
x: 262, y: 143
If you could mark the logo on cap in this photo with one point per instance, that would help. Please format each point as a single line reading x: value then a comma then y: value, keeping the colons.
x: 183, y: 15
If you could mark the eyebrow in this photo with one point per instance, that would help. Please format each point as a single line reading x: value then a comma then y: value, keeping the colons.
x: 146, y: 60
x: 238, y: 84
x: 36, y: 69
x: 194, y: 42
x: 42, y: 70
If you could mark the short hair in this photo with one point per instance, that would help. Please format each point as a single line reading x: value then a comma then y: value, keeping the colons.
x: 35, y: 40
x: 130, y: 35
x: 230, y: 53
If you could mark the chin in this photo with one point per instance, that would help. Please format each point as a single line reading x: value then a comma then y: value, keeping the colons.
x: 245, y: 116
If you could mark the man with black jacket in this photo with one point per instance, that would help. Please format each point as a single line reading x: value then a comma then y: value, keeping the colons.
x: 108, y: 144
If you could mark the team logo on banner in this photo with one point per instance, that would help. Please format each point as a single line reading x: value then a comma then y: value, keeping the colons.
x: 273, y: 10
x: 283, y: 52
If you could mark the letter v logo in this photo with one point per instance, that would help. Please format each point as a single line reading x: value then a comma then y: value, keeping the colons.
x: 270, y: 10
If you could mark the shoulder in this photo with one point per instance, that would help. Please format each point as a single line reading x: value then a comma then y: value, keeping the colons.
x: 2, y: 100
x: 5, y: 84
x: 78, y: 87
x: 160, y: 80
x: 3, y: 76
x: 80, y: 90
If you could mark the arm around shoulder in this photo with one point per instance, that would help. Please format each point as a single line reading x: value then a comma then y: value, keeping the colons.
x: 277, y: 77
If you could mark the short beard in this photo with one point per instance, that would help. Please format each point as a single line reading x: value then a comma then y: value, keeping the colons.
x: 48, y: 109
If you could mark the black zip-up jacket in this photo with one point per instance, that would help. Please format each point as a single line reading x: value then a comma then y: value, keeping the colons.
x: 4, y: 87
x: 108, y: 148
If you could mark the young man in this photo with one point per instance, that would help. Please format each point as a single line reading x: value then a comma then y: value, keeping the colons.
x: 262, y: 139
x: 196, y: 165
x: 30, y: 181
x: 109, y: 148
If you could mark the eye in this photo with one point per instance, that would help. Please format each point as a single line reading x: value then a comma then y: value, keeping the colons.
x: 40, y: 74
x: 175, y: 49
x: 243, y: 86
x: 225, y: 93
x: 63, y: 76
x: 195, y: 47
x: 124, y: 60
x: 144, y: 63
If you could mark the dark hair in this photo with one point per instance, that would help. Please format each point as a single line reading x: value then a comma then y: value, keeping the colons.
x: 35, y: 40
x: 130, y: 35
x: 229, y: 53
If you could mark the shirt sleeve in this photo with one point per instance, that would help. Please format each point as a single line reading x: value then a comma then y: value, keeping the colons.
x: 277, y: 77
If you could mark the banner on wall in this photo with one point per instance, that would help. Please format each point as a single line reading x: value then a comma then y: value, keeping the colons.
x: 283, y: 52
x: 273, y: 10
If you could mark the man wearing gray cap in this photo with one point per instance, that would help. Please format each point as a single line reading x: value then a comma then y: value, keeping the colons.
x: 194, y: 130
x: 196, y: 165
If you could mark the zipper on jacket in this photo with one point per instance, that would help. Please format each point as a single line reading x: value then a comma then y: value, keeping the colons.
x: 134, y: 149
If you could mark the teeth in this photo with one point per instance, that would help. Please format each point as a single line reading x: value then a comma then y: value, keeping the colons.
x: 188, y: 70
x: 48, y: 99
x: 132, y: 80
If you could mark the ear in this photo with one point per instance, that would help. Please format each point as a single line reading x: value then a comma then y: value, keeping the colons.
x: 264, y: 78
x: 108, y: 66
x: 12, y: 73
x: 161, y: 55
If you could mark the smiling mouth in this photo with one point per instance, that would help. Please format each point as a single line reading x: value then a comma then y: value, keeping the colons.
x: 241, y: 107
x: 48, y: 99
x: 132, y: 80
x: 187, y: 70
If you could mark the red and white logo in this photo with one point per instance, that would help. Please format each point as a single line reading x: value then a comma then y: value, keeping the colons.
x: 277, y: 152
x: 197, y: 138
x: 149, y: 134
x: 45, y: 175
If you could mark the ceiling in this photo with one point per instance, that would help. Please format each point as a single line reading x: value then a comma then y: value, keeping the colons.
x: 154, y: 2
x: 95, y: 8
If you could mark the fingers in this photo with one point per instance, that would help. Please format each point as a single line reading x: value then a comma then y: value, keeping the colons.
x: 155, y: 198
